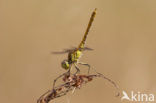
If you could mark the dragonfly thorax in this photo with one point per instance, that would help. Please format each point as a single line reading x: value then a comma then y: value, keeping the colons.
x: 74, y: 56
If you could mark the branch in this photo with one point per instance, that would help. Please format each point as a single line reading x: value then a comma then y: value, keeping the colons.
x: 71, y: 82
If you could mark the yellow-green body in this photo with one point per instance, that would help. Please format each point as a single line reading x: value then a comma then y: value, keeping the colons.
x: 74, y: 55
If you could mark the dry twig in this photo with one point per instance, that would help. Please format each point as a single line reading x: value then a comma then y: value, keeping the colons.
x: 71, y: 82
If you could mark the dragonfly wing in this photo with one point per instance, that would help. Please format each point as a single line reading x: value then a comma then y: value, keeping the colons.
x: 70, y: 50
x: 63, y: 51
x: 59, y: 52
x: 87, y: 48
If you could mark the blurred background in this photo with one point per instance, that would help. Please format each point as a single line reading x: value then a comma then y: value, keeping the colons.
x: 122, y: 36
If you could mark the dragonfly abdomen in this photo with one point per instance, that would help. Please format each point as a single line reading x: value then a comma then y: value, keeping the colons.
x: 81, y: 45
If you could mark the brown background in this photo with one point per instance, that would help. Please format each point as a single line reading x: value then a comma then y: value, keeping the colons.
x: 123, y: 36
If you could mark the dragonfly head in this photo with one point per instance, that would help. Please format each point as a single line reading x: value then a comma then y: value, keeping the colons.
x: 65, y: 64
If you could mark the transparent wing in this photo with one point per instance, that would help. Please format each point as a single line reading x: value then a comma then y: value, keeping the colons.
x: 70, y: 50
x: 62, y: 52
x: 87, y: 48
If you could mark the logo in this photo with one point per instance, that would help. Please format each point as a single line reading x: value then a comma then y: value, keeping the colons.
x: 137, y: 96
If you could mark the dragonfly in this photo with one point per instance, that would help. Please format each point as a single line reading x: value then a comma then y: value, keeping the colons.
x: 75, y: 53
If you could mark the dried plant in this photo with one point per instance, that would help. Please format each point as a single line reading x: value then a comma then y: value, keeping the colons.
x: 70, y: 83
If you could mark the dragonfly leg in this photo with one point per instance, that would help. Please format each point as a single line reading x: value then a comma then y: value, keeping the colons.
x: 68, y: 72
x: 77, y: 69
x: 86, y: 64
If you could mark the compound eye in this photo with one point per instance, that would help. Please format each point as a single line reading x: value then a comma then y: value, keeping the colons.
x: 65, y: 65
